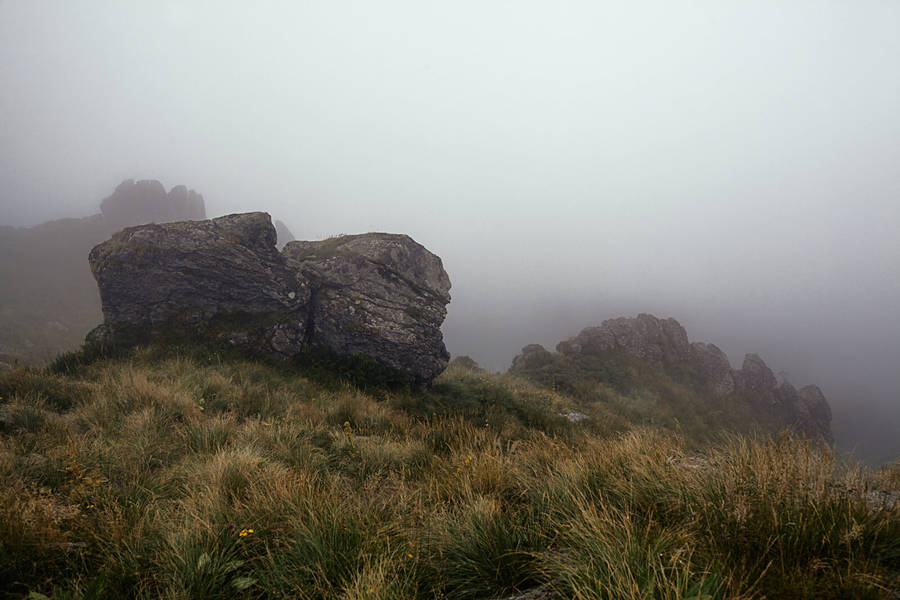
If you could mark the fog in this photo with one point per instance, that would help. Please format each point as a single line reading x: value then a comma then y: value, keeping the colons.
x: 734, y: 165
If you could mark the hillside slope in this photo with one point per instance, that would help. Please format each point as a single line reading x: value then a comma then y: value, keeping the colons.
x: 182, y: 473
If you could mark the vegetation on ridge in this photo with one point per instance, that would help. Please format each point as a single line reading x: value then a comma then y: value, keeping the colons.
x: 159, y: 473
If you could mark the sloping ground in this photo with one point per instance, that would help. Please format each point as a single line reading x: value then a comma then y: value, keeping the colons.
x: 183, y: 474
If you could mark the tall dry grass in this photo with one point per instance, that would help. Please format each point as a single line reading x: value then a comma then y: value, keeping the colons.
x: 198, y: 477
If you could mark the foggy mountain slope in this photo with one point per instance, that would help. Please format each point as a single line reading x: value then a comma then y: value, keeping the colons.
x: 734, y: 164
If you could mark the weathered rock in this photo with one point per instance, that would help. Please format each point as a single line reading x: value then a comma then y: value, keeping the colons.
x: 380, y: 295
x: 377, y: 294
x: 819, y: 411
x: 135, y: 203
x: 657, y: 340
x: 193, y: 271
x: 713, y: 365
x: 755, y: 375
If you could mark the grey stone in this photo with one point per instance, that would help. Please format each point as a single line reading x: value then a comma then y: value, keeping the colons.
x: 755, y: 375
x: 381, y: 295
x: 193, y: 271
x: 645, y: 336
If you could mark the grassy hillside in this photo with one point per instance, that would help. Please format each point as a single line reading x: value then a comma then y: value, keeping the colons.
x: 185, y: 474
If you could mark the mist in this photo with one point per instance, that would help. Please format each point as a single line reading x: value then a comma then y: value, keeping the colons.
x: 733, y: 165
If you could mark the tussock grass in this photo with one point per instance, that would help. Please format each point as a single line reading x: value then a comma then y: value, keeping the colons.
x: 147, y: 475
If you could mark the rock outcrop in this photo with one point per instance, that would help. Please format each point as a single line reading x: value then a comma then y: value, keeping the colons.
x: 136, y: 202
x: 819, y: 410
x: 379, y: 295
x: 665, y: 342
x: 713, y: 365
x: 658, y: 340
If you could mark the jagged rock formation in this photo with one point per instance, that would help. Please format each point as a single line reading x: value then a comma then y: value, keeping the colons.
x: 645, y: 336
x: 664, y: 341
x: 380, y: 295
x: 136, y: 202
x: 712, y: 363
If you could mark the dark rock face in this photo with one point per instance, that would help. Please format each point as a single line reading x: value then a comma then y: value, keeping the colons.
x: 665, y: 341
x: 532, y: 356
x: 146, y: 201
x: 194, y: 271
x: 755, y: 375
x: 713, y: 364
x: 819, y: 411
x: 376, y: 294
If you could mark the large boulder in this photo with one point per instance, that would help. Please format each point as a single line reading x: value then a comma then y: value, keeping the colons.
x: 379, y: 295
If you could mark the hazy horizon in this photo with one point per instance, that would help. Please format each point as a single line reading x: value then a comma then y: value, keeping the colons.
x: 736, y: 167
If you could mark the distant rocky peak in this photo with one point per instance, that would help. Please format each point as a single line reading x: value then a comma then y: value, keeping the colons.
x: 665, y: 342
x: 645, y: 336
x: 756, y: 375
x: 146, y: 201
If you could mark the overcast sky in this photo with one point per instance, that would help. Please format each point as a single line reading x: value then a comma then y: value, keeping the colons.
x: 733, y: 164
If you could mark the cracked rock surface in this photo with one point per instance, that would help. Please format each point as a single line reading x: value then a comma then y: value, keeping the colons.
x: 376, y: 294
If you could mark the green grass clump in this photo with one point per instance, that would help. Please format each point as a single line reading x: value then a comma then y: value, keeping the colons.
x: 156, y: 473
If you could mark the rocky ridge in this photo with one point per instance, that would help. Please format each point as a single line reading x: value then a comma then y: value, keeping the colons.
x: 379, y: 295
x: 665, y: 341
